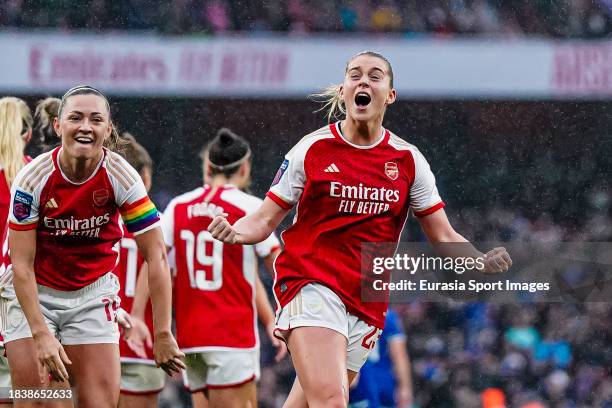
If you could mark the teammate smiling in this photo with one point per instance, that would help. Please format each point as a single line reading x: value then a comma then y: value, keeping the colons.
x: 64, y: 225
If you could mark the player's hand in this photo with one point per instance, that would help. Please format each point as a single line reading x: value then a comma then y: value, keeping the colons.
x: 52, y: 357
x: 497, y: 260
x: 279, y: 345
x: 124, y: 319
x: 167, y: 354
x: 138, y: 338
x: 221, y: 229
x: 403, y: 396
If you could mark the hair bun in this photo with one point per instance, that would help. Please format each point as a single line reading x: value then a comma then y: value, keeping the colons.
x: 226, y: 137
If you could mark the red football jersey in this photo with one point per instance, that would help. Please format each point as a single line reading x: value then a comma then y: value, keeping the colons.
x: 215, y: 282
x: 5, y: 197
x: 77, y: 224
x: 127, y: 270
x: 5, y: 200
x: 346, y: 195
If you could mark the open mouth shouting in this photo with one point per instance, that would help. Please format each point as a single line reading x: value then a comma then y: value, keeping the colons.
x: 362, y: 100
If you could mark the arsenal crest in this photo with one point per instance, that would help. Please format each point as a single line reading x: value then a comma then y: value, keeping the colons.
x: 391, y: 170
x: 101, y: 196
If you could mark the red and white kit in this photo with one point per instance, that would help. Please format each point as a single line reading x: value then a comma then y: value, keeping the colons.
x: 138, y: 375
x: 345, y: 195
x: 77, y: 236
x: 215, y: 286
x: 128, y: 268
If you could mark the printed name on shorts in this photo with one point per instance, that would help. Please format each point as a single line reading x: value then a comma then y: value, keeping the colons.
x: 280, y: 172
x: 22, y: 205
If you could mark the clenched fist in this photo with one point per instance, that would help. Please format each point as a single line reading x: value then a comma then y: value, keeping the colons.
x: 497, y: 260
x: 221, y: 229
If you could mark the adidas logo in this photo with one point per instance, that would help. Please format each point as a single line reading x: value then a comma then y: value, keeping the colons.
x: 332, y: 168
x: 51, y: 204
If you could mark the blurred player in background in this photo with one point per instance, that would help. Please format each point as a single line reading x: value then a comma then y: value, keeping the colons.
x: 45, y: 137
x: 353, y: 182
x: 15, y: 133
x: 64, y: 225
x: 141, y: 380
x: 385, y: 379
x: 217, y: 287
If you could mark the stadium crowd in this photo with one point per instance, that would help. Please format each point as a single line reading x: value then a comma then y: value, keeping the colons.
x: 557, y: 18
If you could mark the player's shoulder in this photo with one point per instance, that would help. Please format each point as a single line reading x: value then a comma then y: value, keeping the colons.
x: 187, y: 197
x: 306, y: 142
x: 33, y: 174
x: 120, y: 170
x: 398, y: 143
x: 238, y: 198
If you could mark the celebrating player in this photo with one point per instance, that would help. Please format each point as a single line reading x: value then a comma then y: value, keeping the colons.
x: 64, y: 227
x: 217, y: 285
x: 141, y: 381
x: 353, y: 182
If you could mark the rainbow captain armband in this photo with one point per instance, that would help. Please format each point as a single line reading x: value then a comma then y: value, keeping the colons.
x: 139, y: 215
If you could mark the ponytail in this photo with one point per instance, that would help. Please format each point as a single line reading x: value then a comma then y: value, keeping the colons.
x: 45, y: 114
x: 330, y: 98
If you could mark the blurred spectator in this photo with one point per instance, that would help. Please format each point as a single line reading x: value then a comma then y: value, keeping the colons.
x: 555, y: 18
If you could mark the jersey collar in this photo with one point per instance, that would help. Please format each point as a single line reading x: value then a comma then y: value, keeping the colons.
x: 337, y: 132
x: 56, y: 162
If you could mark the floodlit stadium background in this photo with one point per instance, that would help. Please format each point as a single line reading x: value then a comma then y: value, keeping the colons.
x: 508, y: 100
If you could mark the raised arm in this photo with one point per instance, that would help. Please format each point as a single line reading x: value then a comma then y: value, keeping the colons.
x: 250, y: 229
x: 439, y: 232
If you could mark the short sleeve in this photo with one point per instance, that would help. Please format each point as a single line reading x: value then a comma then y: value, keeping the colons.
x: 139, y: 213
x: 393, y: 326
x: 424, y: 197
x: 137, y: 210
x: 267, y: 246
x: 25, y: 202
x: 290, y: 178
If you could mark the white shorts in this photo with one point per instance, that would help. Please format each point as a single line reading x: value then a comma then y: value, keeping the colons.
x: 5, y: 377
x: 84, y: 316
x: 317, y: 306
x: 141, y: 379
x: 5, y: 373
x: 220, y: 369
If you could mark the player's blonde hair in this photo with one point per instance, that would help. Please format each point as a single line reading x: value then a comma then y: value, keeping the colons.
x: 114, y: 142
x: 330, y: 96
x: 15, y: 122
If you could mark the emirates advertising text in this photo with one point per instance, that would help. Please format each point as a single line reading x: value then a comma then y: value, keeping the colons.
x: 576, y: 272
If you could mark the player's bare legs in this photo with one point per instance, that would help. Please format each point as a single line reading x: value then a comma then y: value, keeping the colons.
x: 95, y: 388
x: 242, y: 396
x: 24, y: 374
x: 297, y: 398
x: 199, y: 400
x: 138, y: 401
x: 319, y: 358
